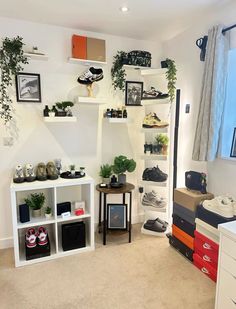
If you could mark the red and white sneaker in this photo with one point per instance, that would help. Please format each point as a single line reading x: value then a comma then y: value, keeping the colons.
x: 42, y: 236
x: 30, y: 238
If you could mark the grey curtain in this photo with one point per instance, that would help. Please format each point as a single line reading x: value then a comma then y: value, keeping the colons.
x: 212, y: 101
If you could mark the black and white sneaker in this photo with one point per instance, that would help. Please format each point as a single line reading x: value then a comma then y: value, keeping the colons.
x: 91, y: 75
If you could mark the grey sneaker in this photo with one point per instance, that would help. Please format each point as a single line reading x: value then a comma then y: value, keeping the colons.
x: 153, y: 200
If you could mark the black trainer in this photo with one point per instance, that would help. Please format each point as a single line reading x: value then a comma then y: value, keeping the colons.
x: 154, y: 174
x: 91, y: 75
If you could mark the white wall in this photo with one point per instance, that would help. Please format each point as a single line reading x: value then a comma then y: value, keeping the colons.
x: 221, y: 173
x: 86, y: 143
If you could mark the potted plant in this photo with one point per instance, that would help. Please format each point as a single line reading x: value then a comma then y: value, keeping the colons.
x: 162, y: 143
x: 51, y: 113
x: 11, y: 60
x: 105, y: 173
x: 72, y: 169
x: 63, y: 108
x: 35, y: 201
x: 171, y: 77
x: 122, y: 165
x: 118, y: 74
x: 48, y: 212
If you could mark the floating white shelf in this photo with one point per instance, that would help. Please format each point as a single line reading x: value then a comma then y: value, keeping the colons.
x: 153, y: 71
x: 154, y: 157
x: 89, y: 100
x: 32, y: 56
x: 118, y: 120
x: 155, y: 101
x: 73, y: 217
x: 35, y: 222
x: 135, y: 67
x: 60, y: 119
x: 86, y: 62
x: 154, y: 130
x: 153, y: 183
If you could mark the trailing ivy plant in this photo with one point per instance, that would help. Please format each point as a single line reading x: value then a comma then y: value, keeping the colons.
x: 118, y: 74
x: 171, y: 78
x: 11, y: 60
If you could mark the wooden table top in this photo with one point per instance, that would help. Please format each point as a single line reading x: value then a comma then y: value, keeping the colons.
x: 128, y: 187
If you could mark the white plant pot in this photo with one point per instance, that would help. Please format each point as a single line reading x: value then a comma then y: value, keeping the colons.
x: 36, y: 213
x: 51, y: 114
x: 48, y: 216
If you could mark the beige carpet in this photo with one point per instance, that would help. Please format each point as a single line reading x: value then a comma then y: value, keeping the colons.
x: 144, y: 274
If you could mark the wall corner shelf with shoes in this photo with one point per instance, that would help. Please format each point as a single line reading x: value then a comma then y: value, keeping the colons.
x: 117, y: 120
x: 91, y: 100
x: 57, y: 119
x: 135, y: 67
x: 155, y: 101
x: 35, y: 56
x: 86, y: 62
x: 151, y: 71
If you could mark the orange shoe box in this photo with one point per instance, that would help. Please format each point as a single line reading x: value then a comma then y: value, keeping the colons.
x: 183, y: 237
x: 190, y: 199
x: 79, y: 46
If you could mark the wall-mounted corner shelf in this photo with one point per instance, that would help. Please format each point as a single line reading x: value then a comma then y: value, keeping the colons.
x: 154, y: 130
x: 153, y: 183
x: 60, y: 119
x: 117, y: 120
x: 135, y: 67
x: 86, y: 62
x: 154, y: 157
x: 155, y: 101
x: 32, y: 56
x: 153, y: 72
x: 89, y: 100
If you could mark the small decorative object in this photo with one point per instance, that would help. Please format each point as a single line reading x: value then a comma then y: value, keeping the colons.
x: 28, y: 87
x: 79, y: 205
x: 72, y: 169
x: 118, y: 74
x: 105, y: 173
x: 51, y: 113
x: 233, y: 147
x: 124, y: 112
x: 79, y: 212
x: 58, y: 165
x: 171, y: 77
x: 48, y: 212
x: 82, y: 171
x: 117, y: 216
x: 162, y: 143
x: 12, y: 60
x: 122, y: 165
x: 133, y: 93
x: 113, y: 179
x: 63, y: 108
x: 35, y: 201
x: 46, y: 111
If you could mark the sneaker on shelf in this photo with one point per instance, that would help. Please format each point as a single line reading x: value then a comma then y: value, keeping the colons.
x: 152, y: 121
x: 29, y: 172
x: 90, y: 75
x: 42, y: 236
x: 154, y: 200
x: 154, y: 174
x: 51, y: 171
x: 152, y: 94
x: 19, y: 174
x: 221, y: 205
x: 156, y: 225
x: 30, y: 238
x: 41, y: 172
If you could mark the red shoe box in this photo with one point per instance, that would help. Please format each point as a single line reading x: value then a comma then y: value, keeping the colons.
x: 206, y: 246
x: 204, y: 267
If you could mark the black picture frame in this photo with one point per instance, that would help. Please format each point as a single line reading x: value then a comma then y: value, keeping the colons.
x: 117, y: 217
x: 133, y: 93
x: 233, y: 147
x: 28, y: 87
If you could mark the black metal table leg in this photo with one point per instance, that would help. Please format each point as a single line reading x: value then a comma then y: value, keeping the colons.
x: 104, y: 218
x: 130, y: 214
x: 123, y: 198
x: 100, y: 212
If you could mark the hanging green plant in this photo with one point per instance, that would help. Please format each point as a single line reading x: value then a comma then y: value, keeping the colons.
x: 118, y: 74
x: 171, y: 78
x: 11, y: 60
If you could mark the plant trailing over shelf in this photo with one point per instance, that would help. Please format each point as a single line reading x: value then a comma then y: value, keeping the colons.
x: 105, y: 171
x: 11, y: 63
x: 35, y: 201
x: 118, y: 74
x: 171, y: 78
x: 162, y: 139
x: 122, y: 165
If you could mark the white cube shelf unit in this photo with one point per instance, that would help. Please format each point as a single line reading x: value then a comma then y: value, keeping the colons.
x: 55, y: 191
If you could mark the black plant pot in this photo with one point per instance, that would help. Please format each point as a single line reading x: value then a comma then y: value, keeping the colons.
x: 61, y: 113
x: 164, y: 64
x: 157, y: 149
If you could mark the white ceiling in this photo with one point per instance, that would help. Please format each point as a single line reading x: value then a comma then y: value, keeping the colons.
x: 146, y: 19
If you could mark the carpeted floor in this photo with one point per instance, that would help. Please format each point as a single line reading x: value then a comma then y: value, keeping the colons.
x: 146, y: 274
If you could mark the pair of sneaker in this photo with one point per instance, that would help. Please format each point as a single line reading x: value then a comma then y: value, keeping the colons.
x: 24, y: 174
x: 90, y: 75
x: 154, y: 174
x: 224, y: 206
x: 151, y: 120
x: 153, y: 199
x: 34, y: 238
x: 156, y: 225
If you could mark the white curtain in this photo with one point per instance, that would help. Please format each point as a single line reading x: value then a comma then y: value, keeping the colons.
x: 212, y: 101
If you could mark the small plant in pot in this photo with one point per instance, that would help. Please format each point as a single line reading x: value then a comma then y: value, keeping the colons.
x: 64, y: 108
x: 162, y: 143
x: 48, y: 212
x: 122, y: 165
x: 105, y: 173
x: 72, y: 169
x: 35, y: 201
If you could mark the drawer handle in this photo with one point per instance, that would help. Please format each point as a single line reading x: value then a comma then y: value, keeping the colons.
x: 204, y: 270
x: 206, y: 258
x: 206, y: 246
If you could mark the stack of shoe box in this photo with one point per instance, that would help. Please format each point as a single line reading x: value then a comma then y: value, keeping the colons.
x: 206, y: 243
x: 184, y: 214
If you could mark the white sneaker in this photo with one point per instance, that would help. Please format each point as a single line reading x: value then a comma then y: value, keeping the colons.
x: 221, y: 205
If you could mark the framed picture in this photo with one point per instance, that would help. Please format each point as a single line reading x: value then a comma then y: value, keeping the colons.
x: 28, y: 87
x: 133, y: 93
x: 233, y: 147
x: 117, y: 216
